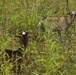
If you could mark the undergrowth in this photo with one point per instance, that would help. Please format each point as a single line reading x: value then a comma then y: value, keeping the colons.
x: 46, y: 53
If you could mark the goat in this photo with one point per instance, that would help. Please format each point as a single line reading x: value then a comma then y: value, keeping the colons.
x: 24, y: 40
x: 60, y: 23
x: 19, y: 52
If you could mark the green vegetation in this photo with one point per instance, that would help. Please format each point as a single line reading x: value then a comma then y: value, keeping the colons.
x: 46, y: 54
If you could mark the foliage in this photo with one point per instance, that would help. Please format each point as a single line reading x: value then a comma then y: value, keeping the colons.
x: 46, y: 53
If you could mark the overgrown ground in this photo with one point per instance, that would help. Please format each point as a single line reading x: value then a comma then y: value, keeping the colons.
x: 47, y: 55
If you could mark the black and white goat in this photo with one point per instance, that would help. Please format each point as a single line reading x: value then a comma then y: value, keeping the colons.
x: 24, y: 40
x: 16, y: 56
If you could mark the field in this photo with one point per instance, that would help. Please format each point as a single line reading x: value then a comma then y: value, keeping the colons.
x: 46, y: 52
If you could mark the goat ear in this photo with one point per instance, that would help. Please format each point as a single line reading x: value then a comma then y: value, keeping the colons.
x: 69, y: 13
x: 18, y: 36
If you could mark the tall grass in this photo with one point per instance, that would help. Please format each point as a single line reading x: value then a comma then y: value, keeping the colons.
x: 46, y: 54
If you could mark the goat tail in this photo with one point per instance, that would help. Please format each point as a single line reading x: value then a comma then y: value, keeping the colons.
x: 41, y: 21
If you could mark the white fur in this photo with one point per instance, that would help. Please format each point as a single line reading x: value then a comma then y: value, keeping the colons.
x: 23, y: 33
x: 73, y: 12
